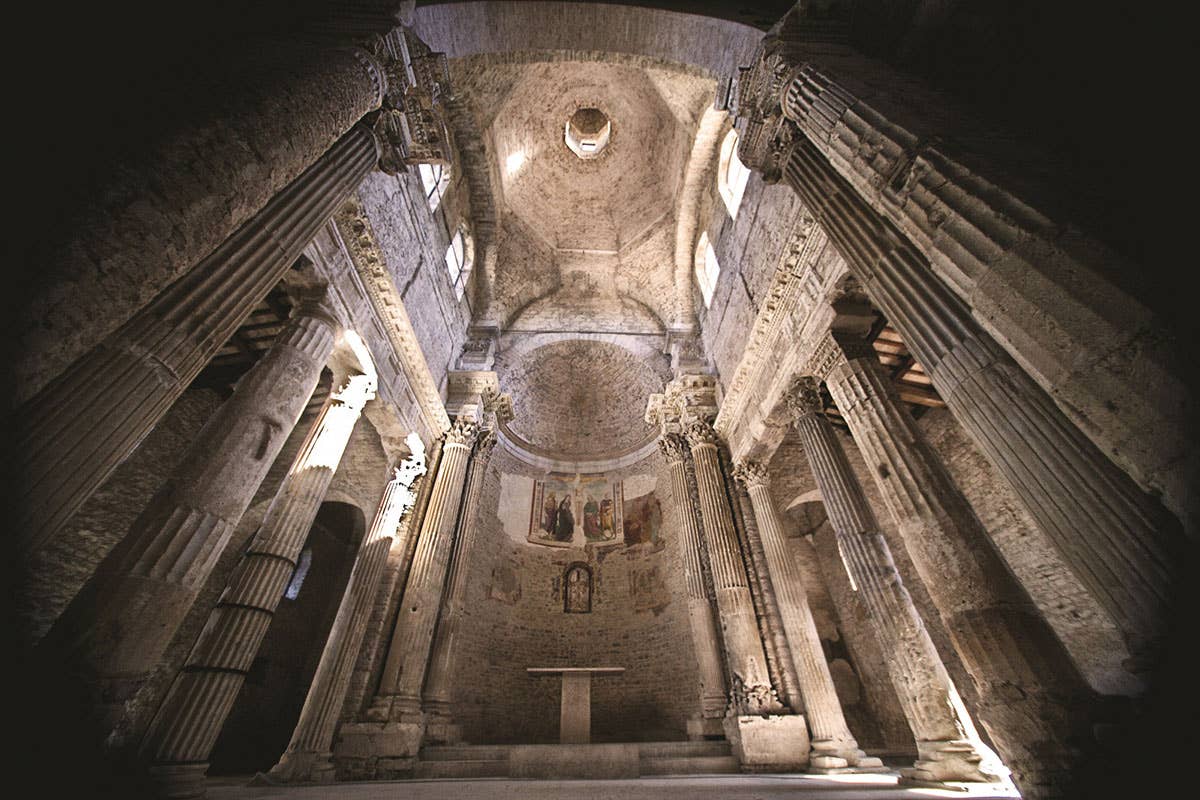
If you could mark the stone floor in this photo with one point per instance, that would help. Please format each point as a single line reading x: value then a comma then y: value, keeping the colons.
x: 726, y: 787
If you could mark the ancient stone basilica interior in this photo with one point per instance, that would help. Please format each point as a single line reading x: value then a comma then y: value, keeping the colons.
x: 559, y: 399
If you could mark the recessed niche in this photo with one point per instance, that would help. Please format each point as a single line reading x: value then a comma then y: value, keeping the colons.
x: 587, y: 132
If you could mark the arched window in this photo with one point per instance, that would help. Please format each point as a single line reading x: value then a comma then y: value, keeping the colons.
x: 707, y: 268
x: 434, y: 179
x: 458, y: 261
x: 731, y: 174
x: 577, y: 589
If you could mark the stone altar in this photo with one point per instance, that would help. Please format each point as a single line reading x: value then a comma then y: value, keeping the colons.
x: 575, y: 722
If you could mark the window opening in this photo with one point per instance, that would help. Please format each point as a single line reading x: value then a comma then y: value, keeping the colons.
x: 732, y: 174
x: 707, y: 268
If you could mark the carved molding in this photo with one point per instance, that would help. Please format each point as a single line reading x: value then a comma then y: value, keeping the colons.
x: 410, y: 127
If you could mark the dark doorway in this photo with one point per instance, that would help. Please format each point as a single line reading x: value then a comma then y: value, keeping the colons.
x: 266, y: 710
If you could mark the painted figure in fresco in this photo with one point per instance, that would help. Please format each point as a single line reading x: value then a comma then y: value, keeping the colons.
x: 578, y: 597
x: 549, y: 513
x: 591, y: 518
x: 606, y: 517
x: 564, y: 526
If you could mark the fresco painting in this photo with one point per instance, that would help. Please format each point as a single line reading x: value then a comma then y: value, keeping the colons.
x: 574, y: 510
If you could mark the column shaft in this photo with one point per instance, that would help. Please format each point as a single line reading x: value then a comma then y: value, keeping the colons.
x: 700, y: 614
x: 1119, y: 541
x: 751, y: 692
x: 115, y: 631
x: 308, y: 755
x: 833, y: 744
x: 921, y: 681
x: 441, y: 663
x: 405, y: 670
x: 76, y: 431
x: 187, y: 724
x: 1002, y: 641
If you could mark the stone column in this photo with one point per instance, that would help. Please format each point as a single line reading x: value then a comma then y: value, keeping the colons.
x: 115, y: 631
x: 308, y: 756
x: 75, y: 432
x: 187, y: 724
x: 1028, y: 687
x: 405, y: 669
x: 1121, y: 543
x: 834, y: 747
x: 700, y: 615
x: 438, y: 691
x: 944, y: 751
x: 751, y: 692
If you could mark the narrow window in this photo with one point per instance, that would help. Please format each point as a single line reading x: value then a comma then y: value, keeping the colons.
x: 707, y: 268
x: 434, y: 179
x: 458, y: 262
x: 731, y: 174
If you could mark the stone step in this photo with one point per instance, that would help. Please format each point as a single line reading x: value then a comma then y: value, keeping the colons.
x: 696, y: 765
x: 461, y: 769
x: 465, y: 752
x: 682, y: 749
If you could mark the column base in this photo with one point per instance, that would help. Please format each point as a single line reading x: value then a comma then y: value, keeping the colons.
x: 440, y: 727
x: 953, y: 760
x: 302, y: 767
x: 178, y: 781
x: 830, y: 757
x: 379, y: 751
x: 773, y: 743
x: 700, y: 728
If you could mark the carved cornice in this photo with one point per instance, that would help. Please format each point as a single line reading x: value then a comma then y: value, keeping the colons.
x: 356, y: 235
x: 803, y: 397
x: 686, y: 399
x: 410, y: 127
x: 497, y: 404
x: 752, y: 473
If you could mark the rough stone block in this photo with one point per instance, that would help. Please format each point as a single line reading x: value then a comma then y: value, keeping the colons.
x: 766, y: 744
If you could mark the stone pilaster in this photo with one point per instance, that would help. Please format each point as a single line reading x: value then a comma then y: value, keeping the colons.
x: 405, y: 669
x: 700, y: 614
x: 834, y: 747
x: 1120, y: 542
x: 438, y: 690
x: 115, y: 631
x: 1027, y: 685
x: 308, y: 756
x: 75, y: 432
x: 944, y: 751
x: 187, y: 724
x: 751, y: 692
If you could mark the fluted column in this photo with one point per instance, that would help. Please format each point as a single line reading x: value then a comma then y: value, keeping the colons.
x: 1004, y: 644
x: 75, y: 432
x: 187, y: 724
x: 944, y: 751
x: 751, y: 692
x: 1120, y: 542
x: 700, y: 614
x: 834, y: 747
x: 439, y: 688
x: 115, y: 631
x: 405, y: 669
x: 308, y: 756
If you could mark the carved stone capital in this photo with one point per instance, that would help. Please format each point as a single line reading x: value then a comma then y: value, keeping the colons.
x: 700, y: 433
x: 486, y: 444
x: 752, y: 473
x: 673, y: 447
x: 462, y: 433
x: 803, y: 397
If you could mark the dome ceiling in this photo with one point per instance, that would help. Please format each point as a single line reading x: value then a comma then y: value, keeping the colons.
x: 580, y: 399
x: 585, y: 243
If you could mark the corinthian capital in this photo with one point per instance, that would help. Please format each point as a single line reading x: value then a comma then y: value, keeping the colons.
x: 752, y: 473
x: 699, y: 433
x: 673, y: 447
x: 486, y: 444
x: 462, y: 433
x: 803, y: 397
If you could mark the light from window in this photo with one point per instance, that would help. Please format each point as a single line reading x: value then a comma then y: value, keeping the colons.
x: 298, y: 576
x: 434, y: 179
x: 457, y: 263
x: 731, y: 174
x: 707, y: 268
